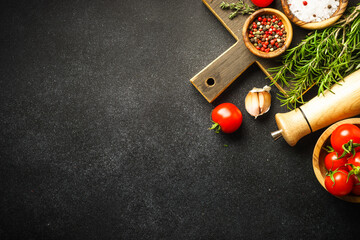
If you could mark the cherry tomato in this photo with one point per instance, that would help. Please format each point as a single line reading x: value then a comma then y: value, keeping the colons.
x: 262, y: 3
x: 226, y: 116
x: 355, y: 161
x: 342, y: 135
x: 338, y: 184
x: 356, y: 188
x: 332, y: 162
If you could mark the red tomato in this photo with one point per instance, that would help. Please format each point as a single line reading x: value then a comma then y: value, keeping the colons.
x: 262, y: 3
x: 226, y: 116
x: 332, y: 162
x: 356, y: 188
x: 338, y: 184
x: 342, y: 135
x: 355, y: 161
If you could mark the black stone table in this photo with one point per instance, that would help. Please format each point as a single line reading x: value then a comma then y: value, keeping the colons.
x: 104, y: 137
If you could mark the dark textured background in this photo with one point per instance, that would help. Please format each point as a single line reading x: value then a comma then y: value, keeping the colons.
x: 104, y: 137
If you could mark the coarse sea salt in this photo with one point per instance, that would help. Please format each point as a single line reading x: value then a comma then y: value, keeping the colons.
x: 313, y: 10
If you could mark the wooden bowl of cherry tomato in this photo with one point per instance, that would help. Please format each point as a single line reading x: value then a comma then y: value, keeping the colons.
x: 336, y: 170
x: 267, y: 33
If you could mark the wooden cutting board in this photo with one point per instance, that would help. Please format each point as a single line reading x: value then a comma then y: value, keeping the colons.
x: 225, y: 69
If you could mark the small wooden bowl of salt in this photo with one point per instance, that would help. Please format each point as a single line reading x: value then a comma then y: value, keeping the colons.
x: 314, y: 14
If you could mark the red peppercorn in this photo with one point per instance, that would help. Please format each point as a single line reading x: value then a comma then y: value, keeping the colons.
x: 305, y: 3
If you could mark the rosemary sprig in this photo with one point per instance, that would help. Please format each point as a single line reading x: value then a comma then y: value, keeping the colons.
x: 322, y: 59
x: 238, y: 8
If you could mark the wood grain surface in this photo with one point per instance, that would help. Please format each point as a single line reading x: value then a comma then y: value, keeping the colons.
x: 225, y: 69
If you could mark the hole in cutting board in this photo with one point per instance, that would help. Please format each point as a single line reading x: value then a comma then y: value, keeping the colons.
x: 210, y: 82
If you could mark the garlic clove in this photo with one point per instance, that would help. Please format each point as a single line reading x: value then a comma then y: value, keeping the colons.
x: 258, y: 101
x: 264, y: 102
x: 252, y: 104
x: 261, y: 101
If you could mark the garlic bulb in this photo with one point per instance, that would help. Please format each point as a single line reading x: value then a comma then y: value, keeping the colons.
x: 258, y: 101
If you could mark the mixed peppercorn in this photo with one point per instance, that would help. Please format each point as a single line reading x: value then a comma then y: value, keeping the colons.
x: 267, y: 33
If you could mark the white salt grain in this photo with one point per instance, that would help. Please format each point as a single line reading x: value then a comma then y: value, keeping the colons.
x: 313, y: 10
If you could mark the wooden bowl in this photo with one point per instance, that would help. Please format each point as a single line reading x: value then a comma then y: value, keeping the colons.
x: 287, y: 26
x: 315, y: 25
x: 319, y: 156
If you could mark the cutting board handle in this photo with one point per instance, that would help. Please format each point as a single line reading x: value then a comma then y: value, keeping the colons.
x: 219, y: 74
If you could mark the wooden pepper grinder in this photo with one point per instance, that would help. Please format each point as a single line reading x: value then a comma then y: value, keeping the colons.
x: 342, y: 102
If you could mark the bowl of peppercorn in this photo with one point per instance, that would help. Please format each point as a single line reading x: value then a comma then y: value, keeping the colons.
x: 267, y: 33
x: 314, y: 15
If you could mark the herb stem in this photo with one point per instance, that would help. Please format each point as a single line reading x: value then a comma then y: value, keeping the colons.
x: 322, y: 59
x: 238, y: 8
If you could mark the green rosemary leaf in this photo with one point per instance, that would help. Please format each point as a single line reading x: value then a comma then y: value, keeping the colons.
x: 322, y: 59
x: 238, y: 8
x: 233, y: 14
